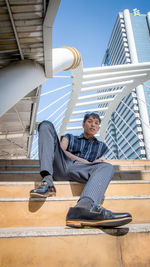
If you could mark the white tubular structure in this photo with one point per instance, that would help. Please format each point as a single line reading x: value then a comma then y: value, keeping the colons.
x: 20, y: 78
x: 119, y: 79
x: 76, y: 86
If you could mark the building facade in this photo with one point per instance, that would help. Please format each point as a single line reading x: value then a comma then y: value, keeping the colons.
x: 128, y: 130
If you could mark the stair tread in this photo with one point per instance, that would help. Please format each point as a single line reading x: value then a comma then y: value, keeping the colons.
x: 72, y: 198
x: 38, y: 165
x: 34, y: 176
x: 30, y: 161
x: 73, y: 183
x: 11, y: 232
x: 37, y: 172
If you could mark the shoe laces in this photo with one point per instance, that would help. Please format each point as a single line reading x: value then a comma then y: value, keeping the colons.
x: 100, y: 209
x: 97, y: 208
x: 41, y: 186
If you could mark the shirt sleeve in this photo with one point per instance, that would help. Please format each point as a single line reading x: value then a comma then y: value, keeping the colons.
x: 67, y: 136
x: 104, y: 149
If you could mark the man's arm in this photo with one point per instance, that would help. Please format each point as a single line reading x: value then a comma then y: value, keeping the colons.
x: 64, y: 144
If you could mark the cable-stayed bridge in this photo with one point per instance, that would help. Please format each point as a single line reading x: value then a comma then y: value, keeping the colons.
x: 28, y: 60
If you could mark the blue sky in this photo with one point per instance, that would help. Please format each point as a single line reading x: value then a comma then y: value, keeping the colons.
x: 87, y: 26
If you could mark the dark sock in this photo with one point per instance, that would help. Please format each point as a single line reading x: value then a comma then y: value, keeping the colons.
x: 48, y: 179
x: 85, y: 202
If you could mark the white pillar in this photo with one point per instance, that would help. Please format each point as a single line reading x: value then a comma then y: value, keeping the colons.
x: 139, y: 89
x: 148, y: 19
x: 20, y: 78
x: 17, y: 80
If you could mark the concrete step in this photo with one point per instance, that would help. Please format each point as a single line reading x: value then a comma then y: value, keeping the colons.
x: 68, y: 189
x: 36, y: 167
x: 22, y: 168
x: 36, y: 162
x: 14, y: 232
x: 19, y: 162
x: 64, y: 247
x: 35, y: 176
x: 17, y: 212
x: 49, y: 243
x: 129, y: 162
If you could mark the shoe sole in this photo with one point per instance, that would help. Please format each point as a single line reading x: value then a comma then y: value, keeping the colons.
x: 104, y: 223
x: 49, y: 194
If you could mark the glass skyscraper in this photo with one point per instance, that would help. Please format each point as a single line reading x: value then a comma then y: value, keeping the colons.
x: 129, y: 43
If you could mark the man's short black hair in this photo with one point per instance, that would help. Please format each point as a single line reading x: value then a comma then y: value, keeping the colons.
x: 93, y: 115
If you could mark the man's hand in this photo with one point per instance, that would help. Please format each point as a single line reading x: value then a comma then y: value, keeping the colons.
x: 97, y: 160
x: 82, y: 160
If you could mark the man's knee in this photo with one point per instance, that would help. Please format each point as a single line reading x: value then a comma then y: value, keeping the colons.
x: 45, y: 124
x: 109, y: 167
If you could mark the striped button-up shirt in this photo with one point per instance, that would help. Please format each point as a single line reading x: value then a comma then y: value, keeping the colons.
x: 88, y: 149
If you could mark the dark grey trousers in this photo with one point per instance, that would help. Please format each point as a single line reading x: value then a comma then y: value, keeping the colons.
x: 54, y: 161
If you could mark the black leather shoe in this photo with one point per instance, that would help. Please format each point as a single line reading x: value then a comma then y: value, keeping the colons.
x: 44, y: 190
x: 96, y: 216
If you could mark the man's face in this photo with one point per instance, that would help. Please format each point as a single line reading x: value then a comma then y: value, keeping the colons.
x: 91, y: 126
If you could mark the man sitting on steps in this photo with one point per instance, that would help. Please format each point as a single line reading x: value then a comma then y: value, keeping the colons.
x: 78, y: 158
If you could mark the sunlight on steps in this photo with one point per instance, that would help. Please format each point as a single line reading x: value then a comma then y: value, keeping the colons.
x: 36, y: 228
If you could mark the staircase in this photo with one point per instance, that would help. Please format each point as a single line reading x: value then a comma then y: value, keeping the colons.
x: 33, y: 231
